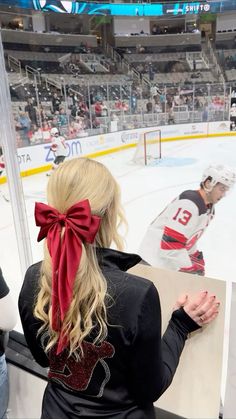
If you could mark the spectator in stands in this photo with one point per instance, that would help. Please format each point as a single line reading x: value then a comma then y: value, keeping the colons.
x: 62, y: 118
x: 19, y: 142
x: 95, y: 122
x: 73, y: 129
x: 177, y: 100
x: 31, y: 111
x: 93, y: 67
x: 157, y: 108
x: 46, y: 129
x: 48, y: 115
x: 56, y: 117
x: 74, y: 97
x: 43, y: 114
x: 162, y: 101
x: 23, y: 120
x: 150, y: 72
x: 169, y: 101
x: 38, y: 135
x: 121, y: 106
x: 54, y: 121
x: 125, y: 106
x: 171, y: 116
x: 133, y: 102
x: 31, y: 134
x: 79, y: 124
x: 23, y: 125
x: 155, y: 30
x: 86, y: 122
x: 95, y: 326
x: 98, y: 108
x: 56, y: 103
x: 74, y: 111
x: 69, y: 99
x: 83, y: 47
x: 104, y: 109
x: 149, y: 106
x: 140, y: 49
x: 8, y: 315
x: 154, y: 92
x: 82, y: 108
x: 91, y: 99
x: 197, y: 104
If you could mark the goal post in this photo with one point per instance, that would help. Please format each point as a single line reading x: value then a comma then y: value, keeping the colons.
x: 148, y: 148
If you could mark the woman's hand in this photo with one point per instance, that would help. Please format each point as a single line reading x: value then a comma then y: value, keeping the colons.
x: 201, y: 307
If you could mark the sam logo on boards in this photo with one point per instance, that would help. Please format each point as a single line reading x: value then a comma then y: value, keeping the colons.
x: 74, y: 148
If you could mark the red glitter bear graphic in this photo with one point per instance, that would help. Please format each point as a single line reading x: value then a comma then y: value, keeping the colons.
x: 76, y: 374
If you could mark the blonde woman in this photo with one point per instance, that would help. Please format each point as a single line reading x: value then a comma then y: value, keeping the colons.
x: 96, y: 327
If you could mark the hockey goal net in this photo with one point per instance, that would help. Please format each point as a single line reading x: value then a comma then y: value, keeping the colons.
x: 148, y: 148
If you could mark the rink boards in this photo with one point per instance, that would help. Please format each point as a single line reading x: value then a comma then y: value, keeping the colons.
x: 39, y: 158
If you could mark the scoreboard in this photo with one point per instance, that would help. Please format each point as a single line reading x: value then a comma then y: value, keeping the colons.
x: 124, y: 9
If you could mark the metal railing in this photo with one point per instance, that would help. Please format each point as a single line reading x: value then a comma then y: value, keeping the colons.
x: 51, y: 82
x: 214, y: 59
x: 33, y: 73
x: 129, y: 104
x: 14, y: 64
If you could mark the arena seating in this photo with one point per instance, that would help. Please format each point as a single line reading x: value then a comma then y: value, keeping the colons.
x: 120, y: 80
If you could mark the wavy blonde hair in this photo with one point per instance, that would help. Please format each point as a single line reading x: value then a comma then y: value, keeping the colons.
x: 74, y: 181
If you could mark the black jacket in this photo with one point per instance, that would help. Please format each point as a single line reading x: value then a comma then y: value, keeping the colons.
x: 123, y: 376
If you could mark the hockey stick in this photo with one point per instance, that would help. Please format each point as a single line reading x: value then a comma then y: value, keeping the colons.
x: 4, y: 197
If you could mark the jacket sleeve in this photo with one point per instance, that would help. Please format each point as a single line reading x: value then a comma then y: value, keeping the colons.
x: 30, y: 324
x: 154, y: 360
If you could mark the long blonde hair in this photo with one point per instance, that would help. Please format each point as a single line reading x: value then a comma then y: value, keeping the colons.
x: 74, y: 181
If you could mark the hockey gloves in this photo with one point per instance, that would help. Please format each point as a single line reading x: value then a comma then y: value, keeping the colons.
x: 198, y: 264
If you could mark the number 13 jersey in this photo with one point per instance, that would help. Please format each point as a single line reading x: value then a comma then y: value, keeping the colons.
x: 173, y: 235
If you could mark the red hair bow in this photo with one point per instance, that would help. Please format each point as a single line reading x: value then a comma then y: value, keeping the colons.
x: 65, y: 251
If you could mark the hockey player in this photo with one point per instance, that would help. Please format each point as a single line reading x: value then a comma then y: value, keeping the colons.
x: 2, y: 169
x: 58, y: 147
x: 171, y: 240
x: 2, y: 163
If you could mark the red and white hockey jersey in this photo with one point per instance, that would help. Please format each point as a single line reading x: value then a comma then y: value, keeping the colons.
x: 173, y: 235
x: 2, y: 164
x: 59, y: 146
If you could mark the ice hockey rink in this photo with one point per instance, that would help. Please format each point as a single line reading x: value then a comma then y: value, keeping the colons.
x: 145, y: 192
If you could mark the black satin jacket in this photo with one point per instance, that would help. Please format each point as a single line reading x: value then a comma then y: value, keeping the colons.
x: 122, y: 377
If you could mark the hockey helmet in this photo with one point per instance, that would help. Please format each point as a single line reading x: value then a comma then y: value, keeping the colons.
x: 54, y: 131
x: 219, y: 174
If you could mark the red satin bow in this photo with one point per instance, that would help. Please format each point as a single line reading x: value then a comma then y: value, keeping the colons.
x: 80, y: 226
